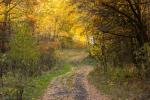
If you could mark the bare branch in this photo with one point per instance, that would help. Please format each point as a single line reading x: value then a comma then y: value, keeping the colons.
x: 107, y: 32
x: 14, y: 6
x: 120, y: 12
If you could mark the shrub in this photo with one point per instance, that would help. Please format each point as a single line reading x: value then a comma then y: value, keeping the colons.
x: 23, y: 59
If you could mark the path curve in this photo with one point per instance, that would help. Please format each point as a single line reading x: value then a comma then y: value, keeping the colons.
x: 73, y: 85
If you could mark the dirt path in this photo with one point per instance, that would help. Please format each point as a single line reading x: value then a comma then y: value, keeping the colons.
x: 74, y: 85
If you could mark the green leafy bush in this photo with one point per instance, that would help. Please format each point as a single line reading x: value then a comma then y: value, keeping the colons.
x: 23, y: 54
x: 22, y: 61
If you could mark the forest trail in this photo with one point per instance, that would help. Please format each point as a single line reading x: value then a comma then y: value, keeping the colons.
x: 73, y: 85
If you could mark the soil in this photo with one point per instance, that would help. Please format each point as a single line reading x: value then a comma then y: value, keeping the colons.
x: 74, y: 85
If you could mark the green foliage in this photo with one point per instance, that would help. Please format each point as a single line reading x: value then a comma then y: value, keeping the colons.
x: 47, y: 59
x: 96, y: 51
x: 22, y: 62
x: 23, y: 50
x: 23, y: 47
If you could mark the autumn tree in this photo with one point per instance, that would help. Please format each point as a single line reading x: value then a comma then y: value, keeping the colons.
x: 123, y: 26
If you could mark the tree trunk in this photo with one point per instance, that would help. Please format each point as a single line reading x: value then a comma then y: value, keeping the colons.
x: 20, y: 94
x: 1, y: 75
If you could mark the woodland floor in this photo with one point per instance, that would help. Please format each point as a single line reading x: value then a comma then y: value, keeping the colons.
x: 73, y: 85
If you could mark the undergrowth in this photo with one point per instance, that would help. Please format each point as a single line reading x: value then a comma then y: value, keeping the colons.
x: 120, y: 84
x: 40, y: 83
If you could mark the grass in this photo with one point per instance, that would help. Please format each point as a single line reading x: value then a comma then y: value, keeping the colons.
x: 119, y: 84
x: 40, y: 83
x: 89, y: 61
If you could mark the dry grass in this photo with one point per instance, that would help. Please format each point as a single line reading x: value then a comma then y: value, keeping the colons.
x: 120, y: 87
